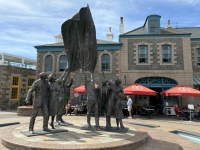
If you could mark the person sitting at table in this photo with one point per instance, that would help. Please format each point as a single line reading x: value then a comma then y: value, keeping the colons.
x: 186, y: 107
x: 68, y: 107
x: 79, y: 108
x: 135, y: 107
x: 196, y: 112
x: 182, y: 115
x: 144, y: 105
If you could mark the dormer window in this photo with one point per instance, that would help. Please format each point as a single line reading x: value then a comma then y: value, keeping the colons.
x: 153, y: 26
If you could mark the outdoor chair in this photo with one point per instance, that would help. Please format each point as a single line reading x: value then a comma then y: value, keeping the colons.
x: 176, y: 115
x: 143, y: 113
x: 156, y: 113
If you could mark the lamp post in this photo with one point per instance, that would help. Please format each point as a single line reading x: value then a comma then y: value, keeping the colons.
x: 125, y: 79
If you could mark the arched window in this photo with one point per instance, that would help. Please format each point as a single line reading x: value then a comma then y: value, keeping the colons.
x: 105, y: 62
x: 48, y: 63
x: 62, y: 62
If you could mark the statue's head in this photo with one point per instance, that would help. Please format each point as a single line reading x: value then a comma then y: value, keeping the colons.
x: 52, y: 77
x: 43, y: 76
x: 118, y: 81
x: 104, y: 82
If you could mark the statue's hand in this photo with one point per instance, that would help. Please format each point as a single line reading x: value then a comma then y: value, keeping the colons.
x: 60, y: 99
x: 27, y: 101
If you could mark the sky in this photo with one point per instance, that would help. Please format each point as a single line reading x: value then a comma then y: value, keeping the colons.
x: 28, y: 23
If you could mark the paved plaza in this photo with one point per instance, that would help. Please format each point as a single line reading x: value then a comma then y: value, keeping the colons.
x: 159, y: 138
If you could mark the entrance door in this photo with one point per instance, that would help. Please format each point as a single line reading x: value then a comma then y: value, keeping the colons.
x: 156, y: 100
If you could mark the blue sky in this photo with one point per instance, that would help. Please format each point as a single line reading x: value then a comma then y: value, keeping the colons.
x: 27, y: 23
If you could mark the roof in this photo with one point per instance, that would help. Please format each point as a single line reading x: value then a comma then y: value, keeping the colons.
x: 196, y: 80
x: 141, y: 30
x: 98, y: 42
x: 194, y: 30
x: 18, y: 59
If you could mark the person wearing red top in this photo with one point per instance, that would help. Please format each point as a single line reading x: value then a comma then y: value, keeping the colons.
x: 180, y: 113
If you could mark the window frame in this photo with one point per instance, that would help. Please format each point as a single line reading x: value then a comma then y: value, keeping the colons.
x: 106, y: 63
x: 45, y: 66
x: 59, y: 65
x: 150, y: 26
x: 28, y: 85
x: 15, y: 87
x: 168, y: 54
x: 198, y: 56
x: 139, y: 46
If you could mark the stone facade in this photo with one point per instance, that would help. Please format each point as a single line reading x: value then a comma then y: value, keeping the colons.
x: 6, y: 75
x: 154, y: 48
x: 194, y: 46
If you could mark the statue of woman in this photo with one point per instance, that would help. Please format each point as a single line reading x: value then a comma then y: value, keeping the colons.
x: 54, y: 95
x: 114, y: 89
x: 120, y: 104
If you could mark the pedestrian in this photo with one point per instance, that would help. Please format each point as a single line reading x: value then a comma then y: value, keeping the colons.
x: 129, y: 104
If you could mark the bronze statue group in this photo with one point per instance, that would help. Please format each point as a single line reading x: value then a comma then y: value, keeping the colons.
x: 50, y: 95
x: 79, y: 37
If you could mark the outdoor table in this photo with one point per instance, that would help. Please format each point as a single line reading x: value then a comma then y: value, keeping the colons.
x: 149, y: 111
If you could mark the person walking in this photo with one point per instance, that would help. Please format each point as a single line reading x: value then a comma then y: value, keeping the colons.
x: 129, y: 104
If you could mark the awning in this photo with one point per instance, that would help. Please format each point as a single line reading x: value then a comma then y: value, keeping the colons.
x: 137, y: 89
x: 181, y: 90
x: 81, y: 89
x: 196, y: 80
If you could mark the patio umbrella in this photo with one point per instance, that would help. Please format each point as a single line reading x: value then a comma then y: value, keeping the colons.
x: 81, y: 89
x: 137, y: 89
x: 181, y: 90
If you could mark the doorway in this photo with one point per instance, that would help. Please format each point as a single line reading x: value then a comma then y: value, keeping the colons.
x: 156, y: 100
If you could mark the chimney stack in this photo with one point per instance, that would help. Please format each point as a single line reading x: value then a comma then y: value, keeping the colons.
x: 121, y: 26
x: 59, y: 38
x: 109, y: 34
x: 168, y: 24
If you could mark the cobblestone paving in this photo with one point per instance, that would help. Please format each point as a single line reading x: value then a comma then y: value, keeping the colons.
x: 159, y: 138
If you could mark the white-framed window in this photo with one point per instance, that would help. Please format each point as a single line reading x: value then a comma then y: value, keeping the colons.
x: 48, y: 63
x: 62, y: 62
x: 198, y: 56
x: 166, y: 54
x: 143, y: 54
x: 105, y: 63
x: 153, y: 26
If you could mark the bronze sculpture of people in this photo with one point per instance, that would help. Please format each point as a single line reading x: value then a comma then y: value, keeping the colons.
x: 54, y: 88
x: 114, y: 89
x: 41, y: 98
x: 120, y: 104
x: 64, y: 94
x: 92, y: 102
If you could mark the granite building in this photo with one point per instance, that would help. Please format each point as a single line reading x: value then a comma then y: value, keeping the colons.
x: 16, y: 76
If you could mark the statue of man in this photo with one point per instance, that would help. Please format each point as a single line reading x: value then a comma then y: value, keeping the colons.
x: 64, y: 94
x: 92, y: 102
x: 41, y: 99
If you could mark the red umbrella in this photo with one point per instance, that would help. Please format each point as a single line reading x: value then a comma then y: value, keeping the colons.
x: 181, y: 90
x: 137, y: 89
x: 81, y: 89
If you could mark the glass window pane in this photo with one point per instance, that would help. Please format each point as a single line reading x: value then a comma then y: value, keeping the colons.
x: 62, y: 63
x: 105, y: 62
x: 14, y: 93
x: 48, y: 63
x: 15, y: 81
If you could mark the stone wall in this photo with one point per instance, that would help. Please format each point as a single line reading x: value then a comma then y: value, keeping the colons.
x: 154, y: 55
x: 196, y: 69
x: 6, y: 75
